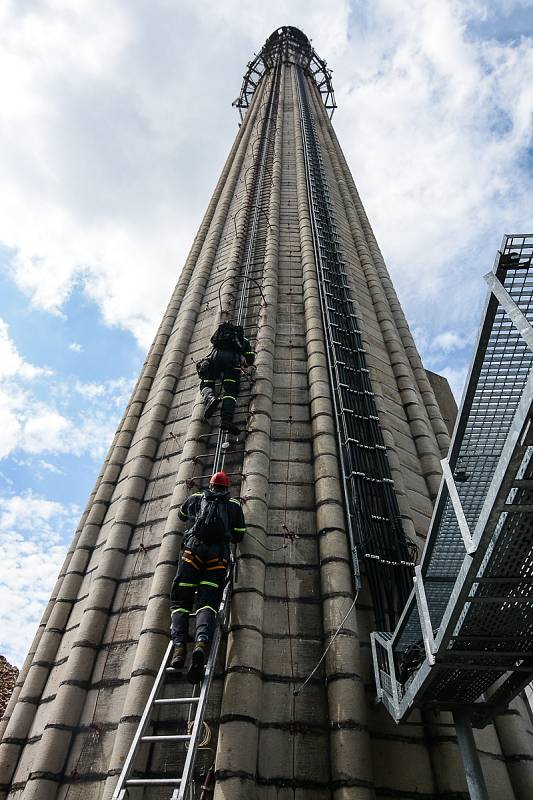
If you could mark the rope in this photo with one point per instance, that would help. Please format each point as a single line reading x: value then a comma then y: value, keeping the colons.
x: 266, y: 547
x: 302, y: 686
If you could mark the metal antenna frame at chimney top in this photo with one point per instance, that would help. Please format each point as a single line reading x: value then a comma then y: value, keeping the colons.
x: 293, y: 47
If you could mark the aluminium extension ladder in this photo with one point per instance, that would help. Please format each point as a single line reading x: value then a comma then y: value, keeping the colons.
x: 190, y: 740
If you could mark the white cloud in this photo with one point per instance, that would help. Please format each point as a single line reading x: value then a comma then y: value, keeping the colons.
x: 436, y: 124
x: 77, y: 417
x: 33, y: 532
x: 11, y: 405
x: 449, y: 354
x: 15, y: 376
x: 11, y: 362
x: 48, y: 467
x: 117, y: 389
x: 106, y: 173
x: 448, y: 341
x: 46, y: 431
x: 87, y: 431
x: 50, y: 432
x: 76, y: 347
x: 107, y: 164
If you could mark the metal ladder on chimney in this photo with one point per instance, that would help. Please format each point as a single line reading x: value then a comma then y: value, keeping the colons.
x: 191, y: 739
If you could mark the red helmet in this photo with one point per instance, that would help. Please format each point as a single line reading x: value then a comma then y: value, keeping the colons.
x: 219, y: 479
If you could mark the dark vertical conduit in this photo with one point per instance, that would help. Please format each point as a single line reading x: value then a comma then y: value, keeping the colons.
x: 372, y: 512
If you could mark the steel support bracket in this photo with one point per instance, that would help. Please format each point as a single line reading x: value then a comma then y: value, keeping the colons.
x: 392, y: 673
x: 425, y: 618
x: 375, y: 663
x: 470, y: 547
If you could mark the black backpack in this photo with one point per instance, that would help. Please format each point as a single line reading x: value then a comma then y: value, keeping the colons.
x: 228, y: 337
x: 212, y: 521
x: 203, y: 367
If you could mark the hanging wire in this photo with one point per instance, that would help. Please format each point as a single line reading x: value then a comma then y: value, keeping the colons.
x: 246, y: 278
x: 266, y: 547
x: 299, y: 689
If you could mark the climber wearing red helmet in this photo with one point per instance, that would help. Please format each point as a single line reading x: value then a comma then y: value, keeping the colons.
x: 217, y: 520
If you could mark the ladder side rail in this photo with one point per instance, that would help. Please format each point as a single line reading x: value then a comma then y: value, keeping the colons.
x: 190, y: 759
x: 143, y: 724
x: 343, y: 435
x: 344, y: 315
x: 184, y: 781
x: 258, y: 190
x: 220, y: 451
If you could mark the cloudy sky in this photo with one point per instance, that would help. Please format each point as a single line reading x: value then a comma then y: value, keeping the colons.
x: 115, y: 121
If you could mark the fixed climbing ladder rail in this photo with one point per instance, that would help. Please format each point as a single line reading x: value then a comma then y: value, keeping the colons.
x: 372, y: 513
x: 254, y: 212
x: 465, y: 637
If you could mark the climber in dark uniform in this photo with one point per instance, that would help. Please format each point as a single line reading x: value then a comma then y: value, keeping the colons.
x: 230, y: 347
x: 217, y: 521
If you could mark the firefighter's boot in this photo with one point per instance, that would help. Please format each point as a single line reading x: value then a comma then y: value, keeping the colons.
x: 178, y: 656
x: 199, y: 659
x: 211, y: 402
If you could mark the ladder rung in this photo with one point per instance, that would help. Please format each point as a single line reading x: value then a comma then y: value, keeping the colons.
x: 175, y: 737
x: 175, y: 701
x: 153, y: 782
